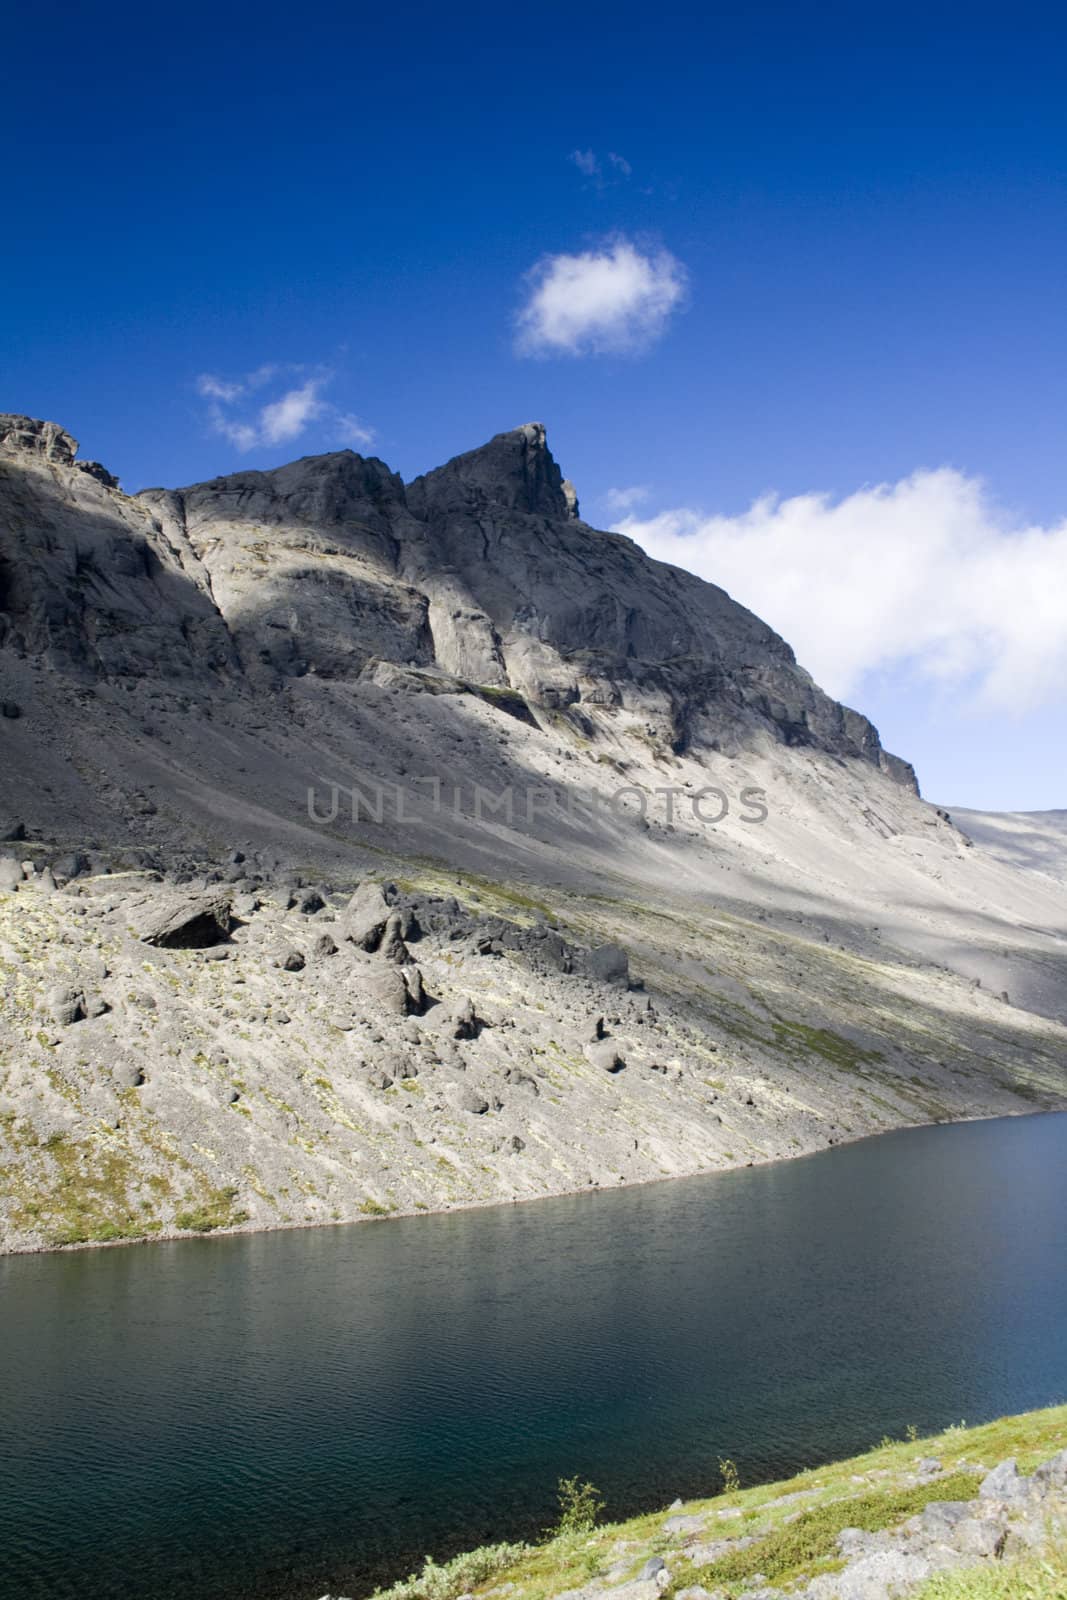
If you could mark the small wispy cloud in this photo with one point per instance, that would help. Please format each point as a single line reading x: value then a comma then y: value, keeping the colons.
x: 621, y: 501
x: 586, y: 162
x: 613, y: 169
x: 615, y: 298
x: 237, y: 411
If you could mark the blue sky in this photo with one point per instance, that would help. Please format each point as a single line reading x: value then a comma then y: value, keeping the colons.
x: 724, y: 253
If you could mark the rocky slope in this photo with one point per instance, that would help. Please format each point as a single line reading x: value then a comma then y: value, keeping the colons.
x: 651, y: 903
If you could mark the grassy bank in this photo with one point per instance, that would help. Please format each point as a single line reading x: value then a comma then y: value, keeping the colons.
x: 793, y: 1524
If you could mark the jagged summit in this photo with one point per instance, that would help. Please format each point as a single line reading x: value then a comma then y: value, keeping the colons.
x: 35, y: 437
x: 516, y: 470
x: 30, y: 436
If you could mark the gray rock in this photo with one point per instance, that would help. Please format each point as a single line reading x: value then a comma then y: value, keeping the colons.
x: 876, y: 1577
x: 73, y: 865
x: 321, y: 947
x: 695, y: 1523
x: 392, y: 946
x: 1004, y: 1483
x: 11, y: 829
x: 290, y: 959
x: 941, y: 1518
x: 416, y: 991
x: 386, y: 992
x: 187, y: 922
x: 364, y: 919
x: 609, y: 963
x: 606, y: 1055
x: 1050, y: 1478
x: 653, y: 1565
x: 472, y: 1100
x: 10, y: 875
x: 65, y: 1005
x: 464, y: 1023
x: 982, y: 1537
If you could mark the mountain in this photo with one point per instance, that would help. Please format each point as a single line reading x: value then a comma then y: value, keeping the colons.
x: 635, y: 897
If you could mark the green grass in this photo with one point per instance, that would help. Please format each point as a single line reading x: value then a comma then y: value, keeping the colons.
x: 1034, y: 1578
x: 215, y: 1211
x: 797, y: 1549
x: 454, y: 1577
x: 1041, y: 1577
x: 509, y: 700
x: 838, y: 1051
x: 374, y: 1208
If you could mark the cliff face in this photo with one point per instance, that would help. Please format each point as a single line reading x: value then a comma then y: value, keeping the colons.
x: 481, y: 570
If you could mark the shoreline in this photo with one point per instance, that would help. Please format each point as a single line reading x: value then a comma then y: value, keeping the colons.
x: 187, y: 1237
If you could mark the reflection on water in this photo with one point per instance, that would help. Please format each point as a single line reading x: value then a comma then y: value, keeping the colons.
x: 284, y: 1414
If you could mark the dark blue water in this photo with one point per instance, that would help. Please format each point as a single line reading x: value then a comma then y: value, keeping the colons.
x: 291, y: 1413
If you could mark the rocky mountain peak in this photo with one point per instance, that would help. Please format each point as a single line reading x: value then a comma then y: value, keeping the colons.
x: 28, y: 435
x: 515, y: 471
x: 50, y: 442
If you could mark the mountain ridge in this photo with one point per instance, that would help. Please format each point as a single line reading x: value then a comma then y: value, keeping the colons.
x: 498, y: 860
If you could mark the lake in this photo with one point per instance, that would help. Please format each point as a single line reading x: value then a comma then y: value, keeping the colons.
x: 286, y: 1414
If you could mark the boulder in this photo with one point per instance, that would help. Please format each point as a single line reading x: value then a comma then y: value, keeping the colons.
x: 464, y: 1023
x: 889, y: 1572
x: 73, y: 865
x: 1050, y: 1478
x: 10, y: 875
x: 322, y: 946
x: 473, y: 1101
x: 685, y: 1524
x: 392, y: 945
x: 415, y: 989
x: 65, y: 1005
x: 187, y: 922
x: 609, y: 963
x: 364, y: 919
x: 386, y: 992
x: 1005, y: 1482
x: 290, y: 959
x: 606, y: 1055
x: 308, y: 902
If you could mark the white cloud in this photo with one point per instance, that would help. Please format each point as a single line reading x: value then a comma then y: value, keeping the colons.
x: 592, y: 167
x: 620, y: 500
x: 351, y: 431
x: 207, y: 384
x: 616, y: 298
x: 928, y: 575
x: 287, y: 417
x: 252, y: 426
x: 586, y: 162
